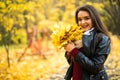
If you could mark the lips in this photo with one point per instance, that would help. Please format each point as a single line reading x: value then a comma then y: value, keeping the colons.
x: 85, y: 26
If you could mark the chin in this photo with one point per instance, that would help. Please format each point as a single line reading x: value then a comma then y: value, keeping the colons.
x: 85, y: 30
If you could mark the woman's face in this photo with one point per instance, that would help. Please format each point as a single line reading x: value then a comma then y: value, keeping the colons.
x: 84, y: 20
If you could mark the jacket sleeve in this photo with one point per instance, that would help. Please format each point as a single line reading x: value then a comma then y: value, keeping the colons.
x: 68, y: 58
x: 95, y: 63
x: 69, y: 73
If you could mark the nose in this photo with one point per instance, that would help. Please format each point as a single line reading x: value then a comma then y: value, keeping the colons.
x: 82, y: 21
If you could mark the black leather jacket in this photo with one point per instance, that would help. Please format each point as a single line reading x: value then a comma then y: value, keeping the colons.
x: 96, y: 48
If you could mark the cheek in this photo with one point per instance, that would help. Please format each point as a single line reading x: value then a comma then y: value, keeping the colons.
x: 90, y: 23
x: 79, y: 23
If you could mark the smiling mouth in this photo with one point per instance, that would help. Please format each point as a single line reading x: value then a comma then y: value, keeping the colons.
x: 85, y: 26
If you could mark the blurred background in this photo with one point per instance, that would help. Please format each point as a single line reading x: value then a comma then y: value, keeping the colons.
x: 26, y: 50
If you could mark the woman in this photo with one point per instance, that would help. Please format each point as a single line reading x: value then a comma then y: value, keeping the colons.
x: 87, y: 62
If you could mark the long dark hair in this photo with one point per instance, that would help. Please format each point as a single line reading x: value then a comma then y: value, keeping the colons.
x: 96, y: 21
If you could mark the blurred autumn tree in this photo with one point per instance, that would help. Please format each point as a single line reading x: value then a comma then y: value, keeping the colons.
x: 14, y: 16
x: 17, y: 15
x: 111, y: 15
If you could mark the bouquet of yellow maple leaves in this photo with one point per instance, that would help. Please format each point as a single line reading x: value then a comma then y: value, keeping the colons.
x: 66, y: 33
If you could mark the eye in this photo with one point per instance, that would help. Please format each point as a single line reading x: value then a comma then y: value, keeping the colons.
x: 79, y: 19
x: 87, y: 18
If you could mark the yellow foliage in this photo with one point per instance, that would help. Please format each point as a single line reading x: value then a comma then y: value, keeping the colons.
x: 8, y: 23
x: 20, y: 0
x: 2, y: 5
x: 0, y: 37
x: 8, y: 1
x: 31, y: 68
x: 66, y: 33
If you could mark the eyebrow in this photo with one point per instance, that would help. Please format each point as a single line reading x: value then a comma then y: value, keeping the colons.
x: 84, y: 17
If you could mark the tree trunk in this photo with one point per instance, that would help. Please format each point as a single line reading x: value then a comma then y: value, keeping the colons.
x: 7, y: 51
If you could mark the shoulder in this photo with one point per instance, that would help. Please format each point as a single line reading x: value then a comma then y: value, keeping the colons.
x: 102, y: 43
x: 101, y: 37
x: 98, y: 34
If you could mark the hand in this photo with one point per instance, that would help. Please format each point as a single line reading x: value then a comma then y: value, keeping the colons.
x: 69, y: 47
x: 78, y: 44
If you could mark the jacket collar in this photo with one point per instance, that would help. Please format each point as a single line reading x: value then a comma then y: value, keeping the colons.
x: 88, y: 32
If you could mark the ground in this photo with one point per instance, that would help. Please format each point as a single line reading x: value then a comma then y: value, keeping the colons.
x: 34, y: 67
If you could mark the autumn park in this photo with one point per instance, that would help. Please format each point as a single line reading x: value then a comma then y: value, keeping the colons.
x: 26, y: 48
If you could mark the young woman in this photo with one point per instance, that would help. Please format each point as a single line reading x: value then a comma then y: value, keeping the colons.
x: 87, y: 62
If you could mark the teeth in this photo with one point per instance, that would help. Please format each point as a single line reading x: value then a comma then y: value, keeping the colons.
x: 85, y: 26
